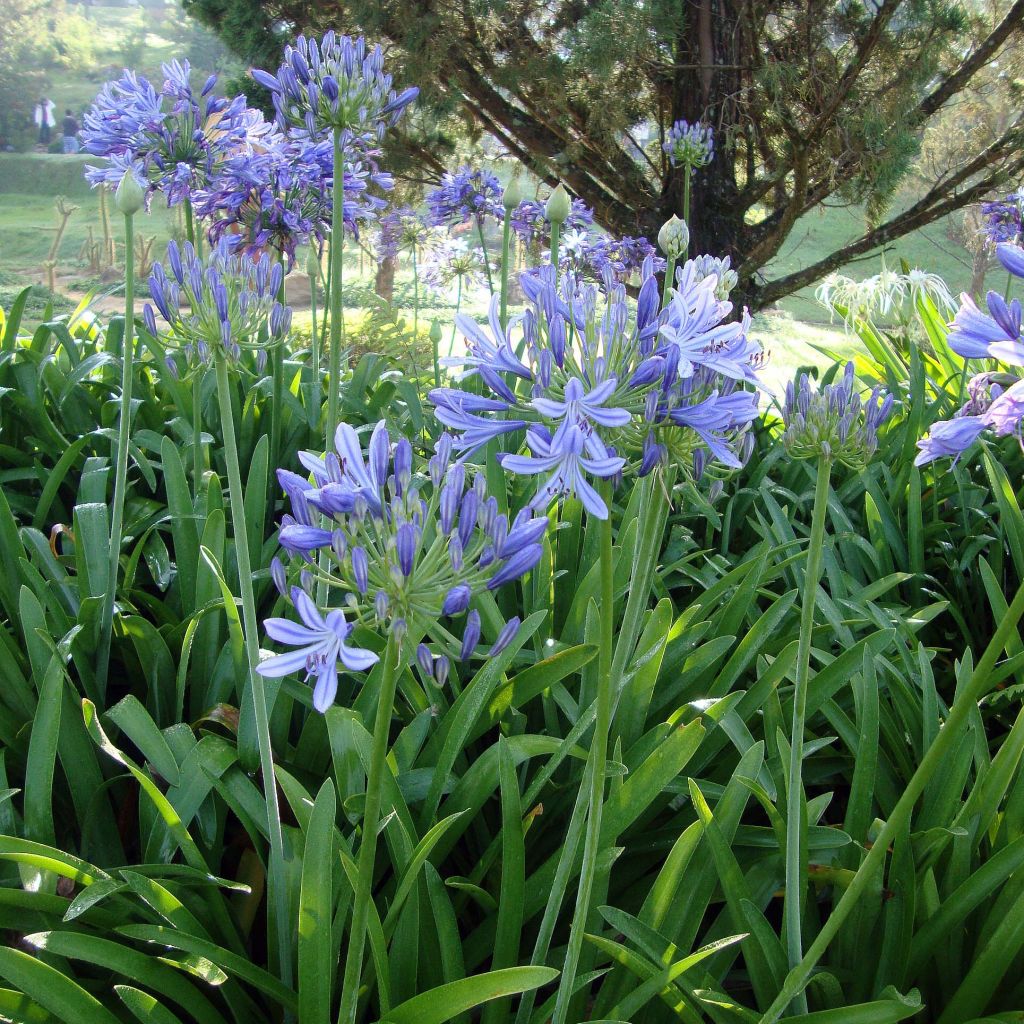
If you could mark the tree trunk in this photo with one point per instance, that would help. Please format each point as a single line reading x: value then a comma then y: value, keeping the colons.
x: 384, y: 283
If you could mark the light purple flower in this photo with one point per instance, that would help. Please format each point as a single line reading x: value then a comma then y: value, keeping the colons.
x: 568, y: 457
x: 949, y: 438
x: 320, y: 644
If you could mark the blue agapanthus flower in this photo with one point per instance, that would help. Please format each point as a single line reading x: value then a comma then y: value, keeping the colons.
x: 338, y: 82
x: 465, y: 195
x: 689, y: 145
x: 320, y: 642
x: 1004, y: 218
x: 996, y: 398
x: 173, y: 139
x: 280, y: 196
x: 591, y: 255
x: 407, y: 548
x: 598, y: 389
x: 530, y: 223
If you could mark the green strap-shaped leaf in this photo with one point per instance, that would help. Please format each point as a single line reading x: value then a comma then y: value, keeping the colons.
x: 316, y: 898
x: 442, y: 1004
x: 51, y: 989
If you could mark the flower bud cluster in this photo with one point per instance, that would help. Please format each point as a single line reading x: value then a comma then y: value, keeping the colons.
x: 227, y: 300
x: 336, y: 83
x: 690, y: 145
x: 833, y: 422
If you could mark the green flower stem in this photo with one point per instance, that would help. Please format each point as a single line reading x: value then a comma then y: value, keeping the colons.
x: 190, y: 222
x: 455, y: 326
x: 368, y: 844
x: 121, y: 465
x: 556, y: 232
x: 313, y: 413
x: 276, y: 404
x: 337, y: 317
x: 935, y: 760
x: 416, y: 306
x: 599, y: 761
x: 487, y: 262
x: 277, y: 894
x: 687, y: 174
x: 670, y: 273
x: 506, y: 239
x: 796, y: 823
x: 197, y: 428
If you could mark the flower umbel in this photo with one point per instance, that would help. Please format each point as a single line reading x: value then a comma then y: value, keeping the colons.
x: 833, y: 422
x: 405, y: 550
x: 226, y: 299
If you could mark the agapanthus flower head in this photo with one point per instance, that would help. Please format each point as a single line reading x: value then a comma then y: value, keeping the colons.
x: 225, y: 301
x: 464, y: 195
x: 401, y: 229
x: 996, y: 401
x: 834, y: 422
x: 406, y: 547
x: 596, y: 388
x: 689, y: 145
x: 593, y: 256
x: 280, y: 196
x: 529, y: 222
x: 173, y: 139
x: 452, y: 261
x: 1004, y: 219
x: 336, y: 83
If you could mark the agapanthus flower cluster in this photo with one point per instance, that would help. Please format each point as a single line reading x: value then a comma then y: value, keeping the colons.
x: 464, y: 195
x: 996, y: 398
x: 452, y: 261
x: 592, y: 255
x: 339, y: 84
x: 883, y: 294
x: 529, y: 222
x: 281, y: 195
x: 226, y: 299
x: 834, y: 422
x: 601, y: 388
x: 720, y: 268
x: 1004, y: 219
x: 172, y: 140
x: 406, y: 551
x: 399, y: 230
x: 689, y: 145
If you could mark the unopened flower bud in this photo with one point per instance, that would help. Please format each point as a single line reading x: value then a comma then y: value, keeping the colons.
x: 313, y: 265
x: 558, y: 206
x: 130, y: 196
x: 674, y: 237
x: 513, y: 194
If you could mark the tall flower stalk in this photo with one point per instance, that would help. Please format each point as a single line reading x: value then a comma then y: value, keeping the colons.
x: 231, y: 304
x: 601, y: 390
x: 826, y: 425
x: 277, y: 887
x: 129, y: 199
x: 405, y: 562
